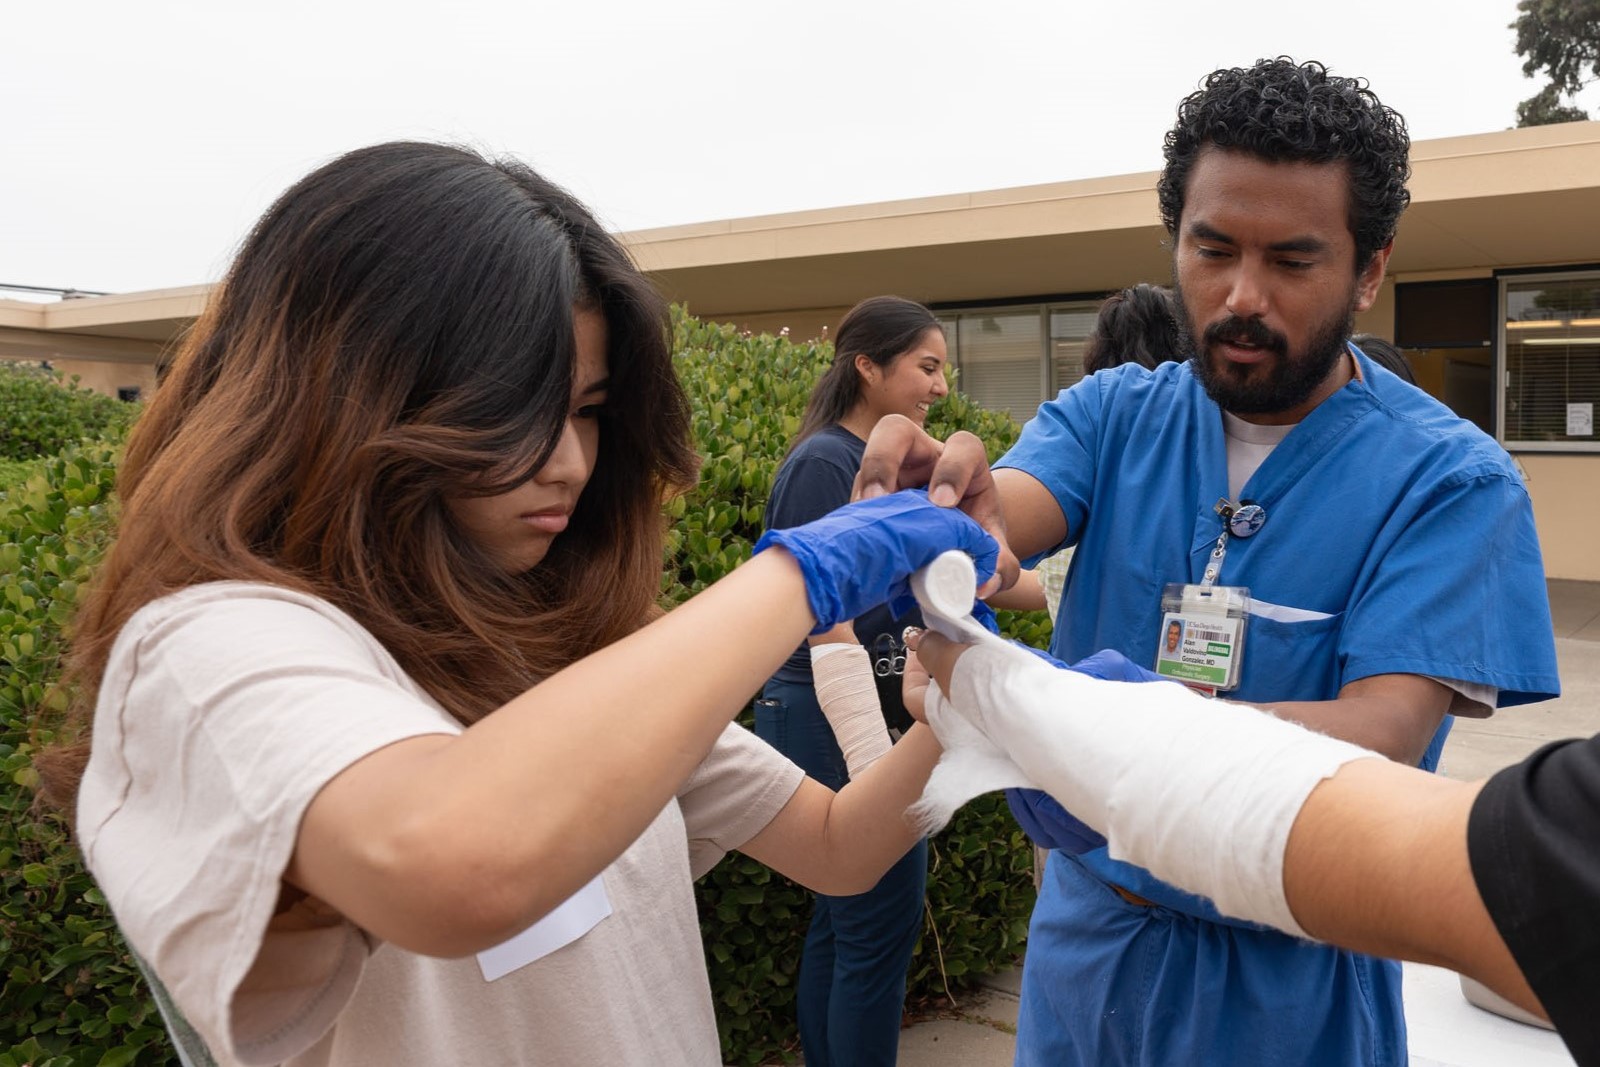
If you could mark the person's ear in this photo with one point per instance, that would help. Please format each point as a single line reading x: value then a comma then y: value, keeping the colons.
x: 1370, y: 281
x: 867, y: 369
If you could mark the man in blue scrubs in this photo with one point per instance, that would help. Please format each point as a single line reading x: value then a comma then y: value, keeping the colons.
x: 1334, y: 544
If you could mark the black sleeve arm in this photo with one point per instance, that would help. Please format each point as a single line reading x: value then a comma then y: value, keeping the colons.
x: 1534, y: 843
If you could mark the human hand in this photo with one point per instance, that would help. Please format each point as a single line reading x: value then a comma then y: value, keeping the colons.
x: 933, y: 657
x: 900, y: 454
x: 1109, y: 665
x: 863, y: 554
x: 914, y: 682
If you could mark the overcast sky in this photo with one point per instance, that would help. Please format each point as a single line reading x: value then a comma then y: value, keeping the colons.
x: 142, y: 138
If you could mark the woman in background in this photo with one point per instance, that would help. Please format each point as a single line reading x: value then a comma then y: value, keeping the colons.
x: 889, y: 358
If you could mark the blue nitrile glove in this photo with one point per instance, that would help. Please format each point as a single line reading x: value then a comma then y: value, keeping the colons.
x: 863, y: 554
x: 1039, y: 814
x: 1042, y: 654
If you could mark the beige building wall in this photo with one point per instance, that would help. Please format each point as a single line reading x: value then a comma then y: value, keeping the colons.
x: 1566, y: 509
x: 809, y: 324
x: 107, y: 377
x: 1379, y: 318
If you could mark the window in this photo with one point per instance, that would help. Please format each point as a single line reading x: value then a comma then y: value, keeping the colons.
x: 1000, y: 363
x: 1453, y: 314
x: 1013, y: 358
x: 1447, y: 330
x: 1550, y: 338
x: 1070, y: 326
x: 128, y: 393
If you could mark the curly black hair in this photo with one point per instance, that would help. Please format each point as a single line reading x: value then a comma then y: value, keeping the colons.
x: 1283, y: 111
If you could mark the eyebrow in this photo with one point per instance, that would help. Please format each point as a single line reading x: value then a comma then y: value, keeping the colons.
x: 601, y: 386
x: 1307, y: 244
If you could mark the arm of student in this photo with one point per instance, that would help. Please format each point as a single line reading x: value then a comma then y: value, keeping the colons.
x: 1026, y: 595
x: 842, y: 843
x: 1377, y: 861
x: 1392, y: 714
x: 446, y: 845
x: 843, y: 634
x: 1033, y: 519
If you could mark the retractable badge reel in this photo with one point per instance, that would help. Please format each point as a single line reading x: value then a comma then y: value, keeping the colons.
x: 1203, y: 626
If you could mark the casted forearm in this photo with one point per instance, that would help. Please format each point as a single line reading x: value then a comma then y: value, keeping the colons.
x: 1201, y: 793
x: 847, y: 692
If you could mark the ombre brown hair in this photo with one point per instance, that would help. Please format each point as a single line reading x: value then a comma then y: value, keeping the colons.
x: 398, y: 330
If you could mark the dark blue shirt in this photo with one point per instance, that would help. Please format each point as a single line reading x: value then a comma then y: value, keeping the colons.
x: 815, y: 478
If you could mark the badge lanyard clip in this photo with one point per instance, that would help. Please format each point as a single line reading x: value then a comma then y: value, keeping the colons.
x: 1214, y: 564
x: 1203, y: 626
x: 1241, y: 520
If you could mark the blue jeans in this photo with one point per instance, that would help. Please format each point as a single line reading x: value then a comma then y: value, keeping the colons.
x: 852, y: 985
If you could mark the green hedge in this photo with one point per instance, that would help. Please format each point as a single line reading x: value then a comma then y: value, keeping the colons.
x: 70, y: 995
x: 71, y: 998
x: 16, y: 471
x: 41, y: 414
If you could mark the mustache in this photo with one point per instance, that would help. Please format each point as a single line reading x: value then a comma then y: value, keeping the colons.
x: 1233, y: 330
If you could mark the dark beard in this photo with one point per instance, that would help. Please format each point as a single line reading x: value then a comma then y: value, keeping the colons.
x: 1291, y: 379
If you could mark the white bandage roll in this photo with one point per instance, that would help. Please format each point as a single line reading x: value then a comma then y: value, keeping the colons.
x: 848, y: 695
x: 1202, y: 793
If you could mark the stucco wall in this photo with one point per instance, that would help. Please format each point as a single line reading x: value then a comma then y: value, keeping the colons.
x: 1566, y: 508
x: 106, y: 377
x: 809, y: 324
x: 1379, y: 318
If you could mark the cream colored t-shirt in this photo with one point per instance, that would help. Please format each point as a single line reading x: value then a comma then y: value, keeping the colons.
x: 223, y: 710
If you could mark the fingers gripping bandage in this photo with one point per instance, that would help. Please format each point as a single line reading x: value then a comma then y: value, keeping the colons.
x: 1202, y: 793
x: 842, y: 675
x: 971, y: 764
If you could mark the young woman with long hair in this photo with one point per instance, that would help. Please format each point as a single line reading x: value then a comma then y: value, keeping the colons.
x: 389, y: 762
x: 889, y: 359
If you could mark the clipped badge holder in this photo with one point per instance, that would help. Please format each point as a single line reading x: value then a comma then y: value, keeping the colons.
x: 1202, y: 635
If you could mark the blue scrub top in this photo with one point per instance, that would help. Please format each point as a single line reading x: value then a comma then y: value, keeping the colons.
x: 1405, y: 528
x: 1399, y: 539
x: 1400, y: 534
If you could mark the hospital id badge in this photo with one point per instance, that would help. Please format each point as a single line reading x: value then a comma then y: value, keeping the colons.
x: 1202, y: 635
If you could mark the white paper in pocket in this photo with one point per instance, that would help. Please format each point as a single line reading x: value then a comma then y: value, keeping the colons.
x: 576, y: 916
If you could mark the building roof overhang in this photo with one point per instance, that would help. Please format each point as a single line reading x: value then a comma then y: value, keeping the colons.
x: 1510, y: 198
x: 121, y: 327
